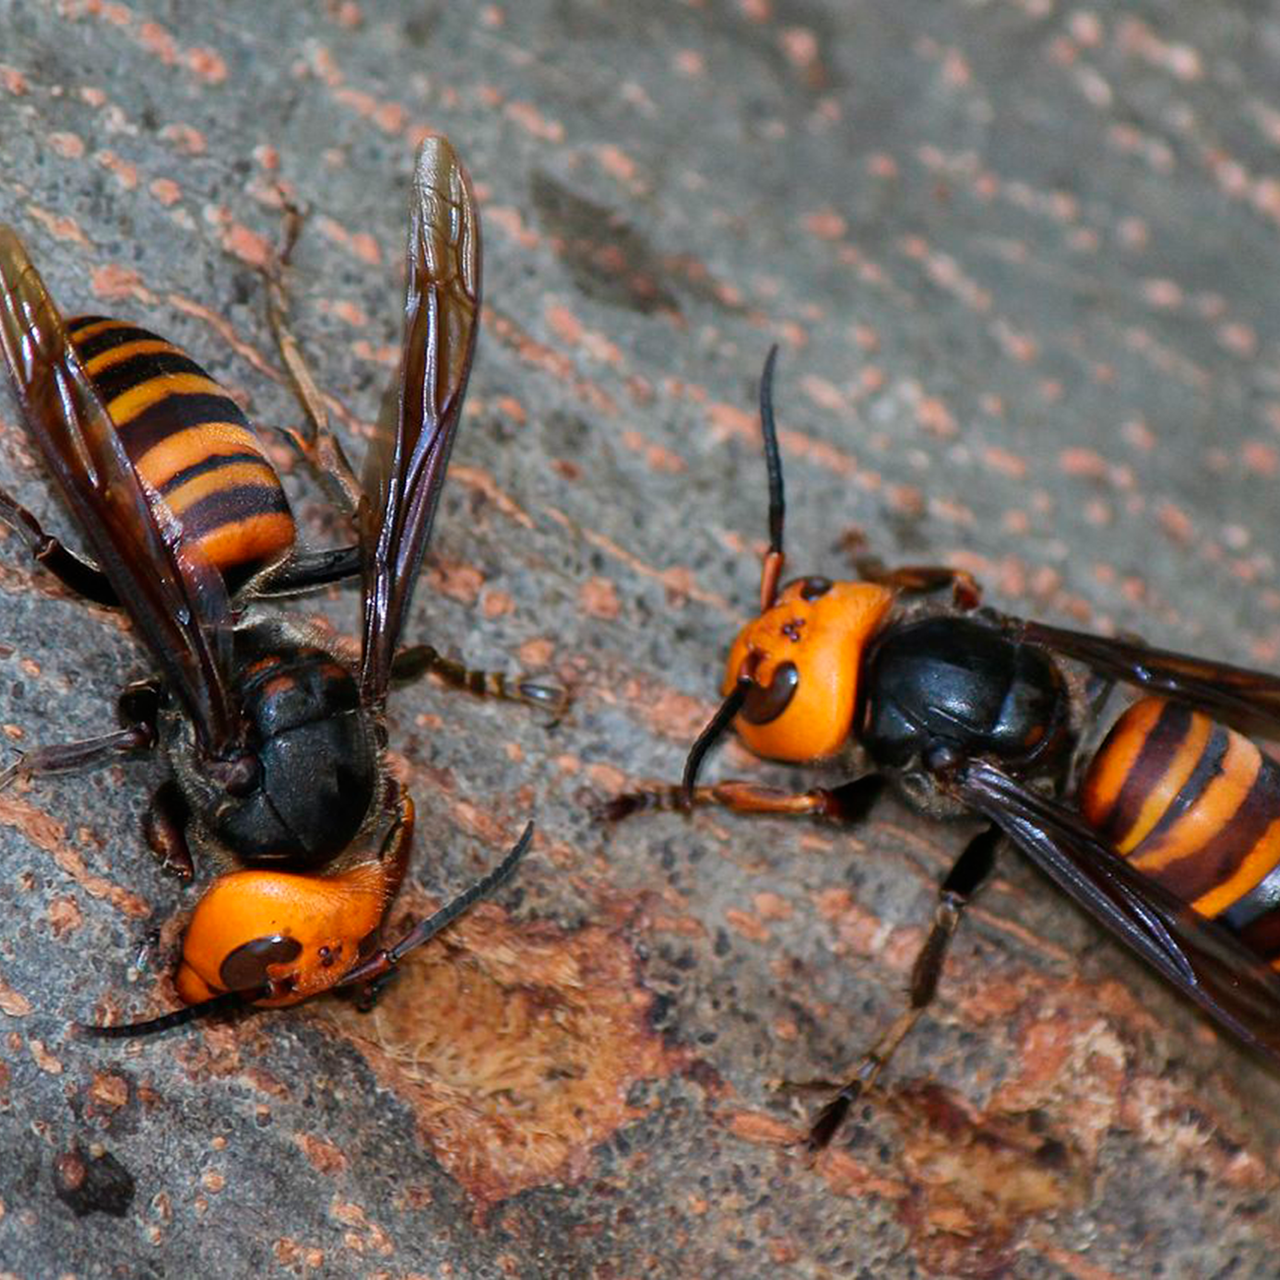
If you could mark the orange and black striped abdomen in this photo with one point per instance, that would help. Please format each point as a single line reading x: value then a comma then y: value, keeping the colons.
x: 1195, y: 806
x: 190, y: 442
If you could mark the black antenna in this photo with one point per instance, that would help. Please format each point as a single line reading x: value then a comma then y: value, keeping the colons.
x: 775, y: 557
x: 706, y: 739
x: 178, y: 1018
x: 385, y: 960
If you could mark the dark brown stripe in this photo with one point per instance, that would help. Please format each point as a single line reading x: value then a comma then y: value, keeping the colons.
x: 214, y: 462
x: 1262, y: 936
x: 175, y: 413
x: 1208, y: 767
x: 137, y: 370
x: 1219, y: 858
x: 229, y: 506
x: 78, y: 323
x: 110, y: 339
x: 1156, y: 755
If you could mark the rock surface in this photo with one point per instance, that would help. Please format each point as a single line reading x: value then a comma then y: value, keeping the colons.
x: 1020, y: 258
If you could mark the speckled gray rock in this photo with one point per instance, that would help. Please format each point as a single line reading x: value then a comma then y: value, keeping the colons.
x: 1021, y: 261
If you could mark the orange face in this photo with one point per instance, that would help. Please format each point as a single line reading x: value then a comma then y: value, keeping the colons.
x: 304, y: 932
x: 803, y: 655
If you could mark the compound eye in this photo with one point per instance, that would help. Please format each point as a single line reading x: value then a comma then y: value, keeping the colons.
x: 765, y: 703
x: 814, y: 588
x: 245, y: 968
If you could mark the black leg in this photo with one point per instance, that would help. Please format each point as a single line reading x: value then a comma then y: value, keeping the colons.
x: 139, y: 705
x: 971, y: 868
x: 73, y: 571
x: 848, y: 802
x: 306, y: 570
x: 165, y: 828
x: 409, y: 664
x: 922, y: 579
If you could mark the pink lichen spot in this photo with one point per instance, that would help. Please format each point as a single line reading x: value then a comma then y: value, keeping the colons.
x: 206, y: 64
x: 747, y: 925
x: 935, y: 418
x: 730, y: 420
x: 390, y: 117
x: 158, y: 42
x: 1175, y: 522
x: 92, y: 96
x: 350, y: 313
x: 492, y: 16
x: 184, y: 138
x: 1004, y: 463
x: 615, y: 162
x: 599, y: 598
x: 1164, y: 294
x: 497, y: 604
x: 60, y: 227
x: 1085, y: 463
x: 1239, y: 339
x: 880, y: 165
x: 165, y: 190
x: 1137, y: 435
x: 349, y: 15
x: 125, y: 174
x: 247, y: 245
x: 564, y: 325
x: 13, y: 81
x: 1017, y: 346
x: 1260, y: 458
x: 770, y: 906
x: 955, y: 69
x: 70, y: 146
x: 689, y: 62
x: 267, y: 156
x: 1086, y: 28
x: 510, y: 221
x: 826, y: 395
x: 533, y: 122
x: 116, y: 14
x: 756, y: 10
x: 825, y: 224
x: 800, y: 46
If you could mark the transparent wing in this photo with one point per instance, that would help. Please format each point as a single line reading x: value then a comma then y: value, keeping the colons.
x: 173, y: 594
x: 406, y: 464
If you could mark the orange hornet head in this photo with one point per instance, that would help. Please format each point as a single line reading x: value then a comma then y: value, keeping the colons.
x: 799, y: 662
x: 297, y: 935
x: 278, y: 937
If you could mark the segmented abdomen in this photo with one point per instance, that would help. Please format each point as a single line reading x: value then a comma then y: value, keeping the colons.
x: 189, y: 441
x: 1195, y: 806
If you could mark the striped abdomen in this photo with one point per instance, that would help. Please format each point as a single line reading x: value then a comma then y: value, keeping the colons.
x: 1195, y: 806
x: 190, y: 443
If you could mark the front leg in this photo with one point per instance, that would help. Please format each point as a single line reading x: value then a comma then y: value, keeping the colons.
x: 419, y: 659
x: 139, y: 709
x: 848, y: 802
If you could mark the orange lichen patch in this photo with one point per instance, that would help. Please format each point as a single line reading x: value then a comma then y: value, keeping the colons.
x: 108, y: 1091
x: 533, y: 122
x: 515, y: 1046
x: 762, y: 1130
x: 13, y: 81
x: 599, y: 598
x: 113, y: 282
x: 13, y: 1003
x: 51, y: 836
x: 322, y: 1154
x: 978, y: 1179
x: 59, y: 226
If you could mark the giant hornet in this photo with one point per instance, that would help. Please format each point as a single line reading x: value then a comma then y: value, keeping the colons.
x: 1168, y: 832
x: 276, y: 745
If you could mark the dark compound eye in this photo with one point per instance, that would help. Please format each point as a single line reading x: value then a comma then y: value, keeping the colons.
x: 245, y: 969
x: 812, y: 588
x: 765, y: 703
